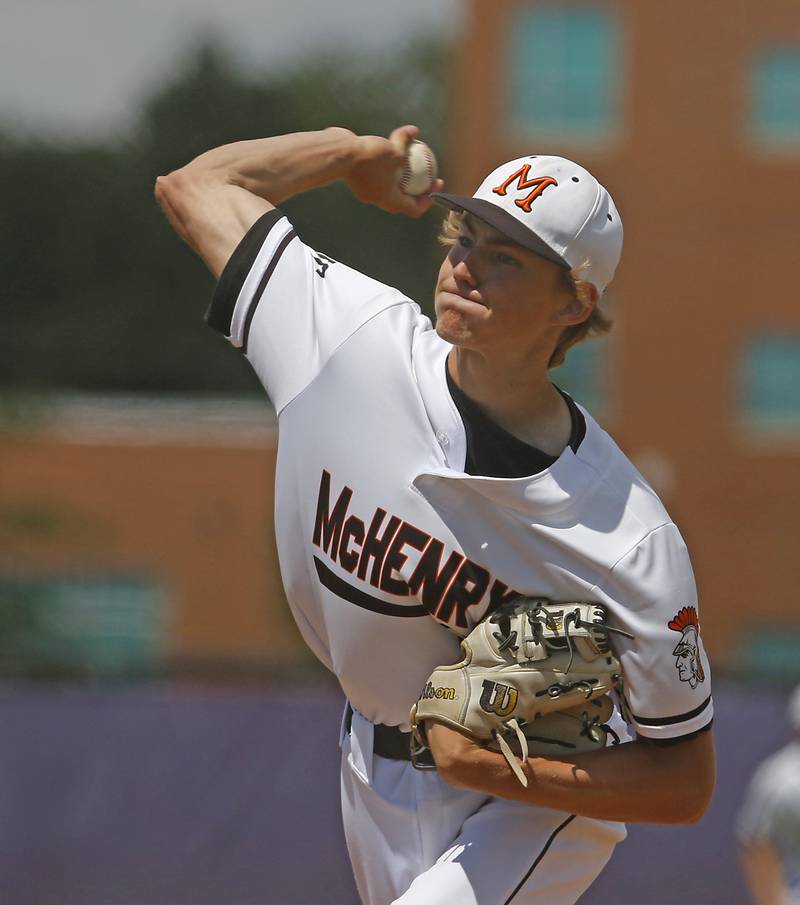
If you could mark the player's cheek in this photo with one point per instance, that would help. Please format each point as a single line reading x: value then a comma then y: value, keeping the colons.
x: 451, y: 260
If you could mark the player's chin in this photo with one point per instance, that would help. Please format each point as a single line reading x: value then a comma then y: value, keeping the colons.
x: 457, y: 320
x: 454, y: 328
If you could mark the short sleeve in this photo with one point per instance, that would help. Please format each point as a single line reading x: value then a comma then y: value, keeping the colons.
x: 756, y: 819
x: 288, y: 307
x: 771, y: 808
x: 665, y: 669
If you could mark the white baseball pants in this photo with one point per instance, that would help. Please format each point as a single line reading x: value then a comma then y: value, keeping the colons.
x: 415, y: 840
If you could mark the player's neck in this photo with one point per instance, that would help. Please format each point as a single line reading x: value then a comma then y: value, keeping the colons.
x: 521, y: 399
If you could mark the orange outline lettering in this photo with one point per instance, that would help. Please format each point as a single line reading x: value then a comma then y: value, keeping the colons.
x: 538, y: 184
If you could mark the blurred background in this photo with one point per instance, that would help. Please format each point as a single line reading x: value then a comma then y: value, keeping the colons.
x: 151, y: 752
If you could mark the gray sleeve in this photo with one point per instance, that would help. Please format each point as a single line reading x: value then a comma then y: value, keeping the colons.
x: 756, y: 819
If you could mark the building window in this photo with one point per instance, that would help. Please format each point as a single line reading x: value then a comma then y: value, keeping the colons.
x: 771, y: 653
x: 775, y: 113
x: 563, y: 72
x: 96, y: 625
x: 769, y: 383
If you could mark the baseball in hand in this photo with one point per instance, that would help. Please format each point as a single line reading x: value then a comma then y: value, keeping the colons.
x: 420, y: 169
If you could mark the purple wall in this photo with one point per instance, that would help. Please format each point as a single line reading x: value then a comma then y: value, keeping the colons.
x: 166, y: 797
x: 152, y: 796
x: 697, y: 864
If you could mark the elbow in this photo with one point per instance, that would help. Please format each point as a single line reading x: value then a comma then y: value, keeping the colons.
x: 169, y: 188
x: 703, y: 788
x: 689, y: 814
x: 677, y: 810
x: 685, y: 775
x: 171, y: 193
x: 698, y: 805
x: 692, y: 805
x: 160, y: 191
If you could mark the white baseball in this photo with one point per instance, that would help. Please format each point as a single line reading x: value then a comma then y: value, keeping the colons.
x: 420, y: 169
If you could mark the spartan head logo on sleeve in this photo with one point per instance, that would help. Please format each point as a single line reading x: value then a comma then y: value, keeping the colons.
x: 687, y: 650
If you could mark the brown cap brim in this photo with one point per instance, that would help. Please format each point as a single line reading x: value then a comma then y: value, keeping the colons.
x: 502, y: 221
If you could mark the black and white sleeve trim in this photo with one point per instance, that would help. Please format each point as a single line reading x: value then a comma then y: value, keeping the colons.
x: 679, y: 739
x: 674, y: 726
x: 246, y: 275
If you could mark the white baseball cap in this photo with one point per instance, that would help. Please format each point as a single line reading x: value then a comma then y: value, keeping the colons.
x: 552, y: 206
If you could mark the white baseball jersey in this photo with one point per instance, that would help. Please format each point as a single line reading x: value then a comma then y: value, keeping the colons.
x: 771, y: 812
x: 389, y: 552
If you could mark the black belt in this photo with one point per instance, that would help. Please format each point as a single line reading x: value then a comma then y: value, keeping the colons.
x: 390, y: 741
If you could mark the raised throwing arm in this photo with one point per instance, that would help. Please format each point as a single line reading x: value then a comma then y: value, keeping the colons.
x: 214, y: 200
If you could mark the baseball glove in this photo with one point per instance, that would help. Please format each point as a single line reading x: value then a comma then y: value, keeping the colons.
x: 534, y: 679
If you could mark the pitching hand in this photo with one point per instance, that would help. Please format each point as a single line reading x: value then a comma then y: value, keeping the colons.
x: 374, y: 176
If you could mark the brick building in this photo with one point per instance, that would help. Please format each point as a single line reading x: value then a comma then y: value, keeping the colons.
x: 137, y: 533
x: 690, y: 114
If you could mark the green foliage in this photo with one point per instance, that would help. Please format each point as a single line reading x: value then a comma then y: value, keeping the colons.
x: 99, y: 294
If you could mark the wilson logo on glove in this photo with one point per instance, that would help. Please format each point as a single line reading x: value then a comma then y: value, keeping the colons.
x: 498, y: 699
x: 439, y: 693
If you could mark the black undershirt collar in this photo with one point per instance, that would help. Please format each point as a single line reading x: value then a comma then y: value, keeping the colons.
x: 495, y: 453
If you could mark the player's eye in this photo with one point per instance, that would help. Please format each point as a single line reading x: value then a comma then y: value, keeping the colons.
x: 464, y: 241
x: 507, y: 260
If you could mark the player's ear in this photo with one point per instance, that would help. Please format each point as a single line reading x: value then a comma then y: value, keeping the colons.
x: 577, y: 309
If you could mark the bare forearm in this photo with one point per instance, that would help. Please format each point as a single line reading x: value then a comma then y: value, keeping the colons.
x: 213, y: 201
x: 279, y: 167
x: 636, y: 782
x: 609, y: 785
x: 764, y: 874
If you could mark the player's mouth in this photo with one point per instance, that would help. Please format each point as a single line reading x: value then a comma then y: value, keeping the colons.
x: 469, y: 300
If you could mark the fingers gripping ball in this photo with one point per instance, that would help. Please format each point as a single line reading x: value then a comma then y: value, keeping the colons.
x: 419, y: 170
x: 534, y: 679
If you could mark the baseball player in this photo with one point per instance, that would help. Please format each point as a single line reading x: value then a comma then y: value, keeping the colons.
x: 426, y: 475
x: 768, y: 823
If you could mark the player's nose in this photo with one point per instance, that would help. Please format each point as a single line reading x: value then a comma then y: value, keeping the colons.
x: 464, y: 272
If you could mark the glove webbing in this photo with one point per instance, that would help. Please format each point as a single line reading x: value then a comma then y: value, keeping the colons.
x: 537, y: 619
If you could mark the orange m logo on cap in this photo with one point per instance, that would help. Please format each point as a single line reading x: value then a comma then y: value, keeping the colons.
x: 538, y: 184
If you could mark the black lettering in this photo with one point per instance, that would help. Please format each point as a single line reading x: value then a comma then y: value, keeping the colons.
x: 353, y: 528
x: 375, y: 546
x: 396, y: 559
x: 429, y: 578
x: 327, y: 524
x: 324, y: 263
x: 499, y: 594
x: 467, y: 589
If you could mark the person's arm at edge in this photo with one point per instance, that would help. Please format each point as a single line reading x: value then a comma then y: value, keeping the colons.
x: 214, y: 200
x: 763, y: 873
x: 637, y: 782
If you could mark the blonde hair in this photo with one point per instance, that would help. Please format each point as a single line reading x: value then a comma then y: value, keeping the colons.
x: 597, y: 324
